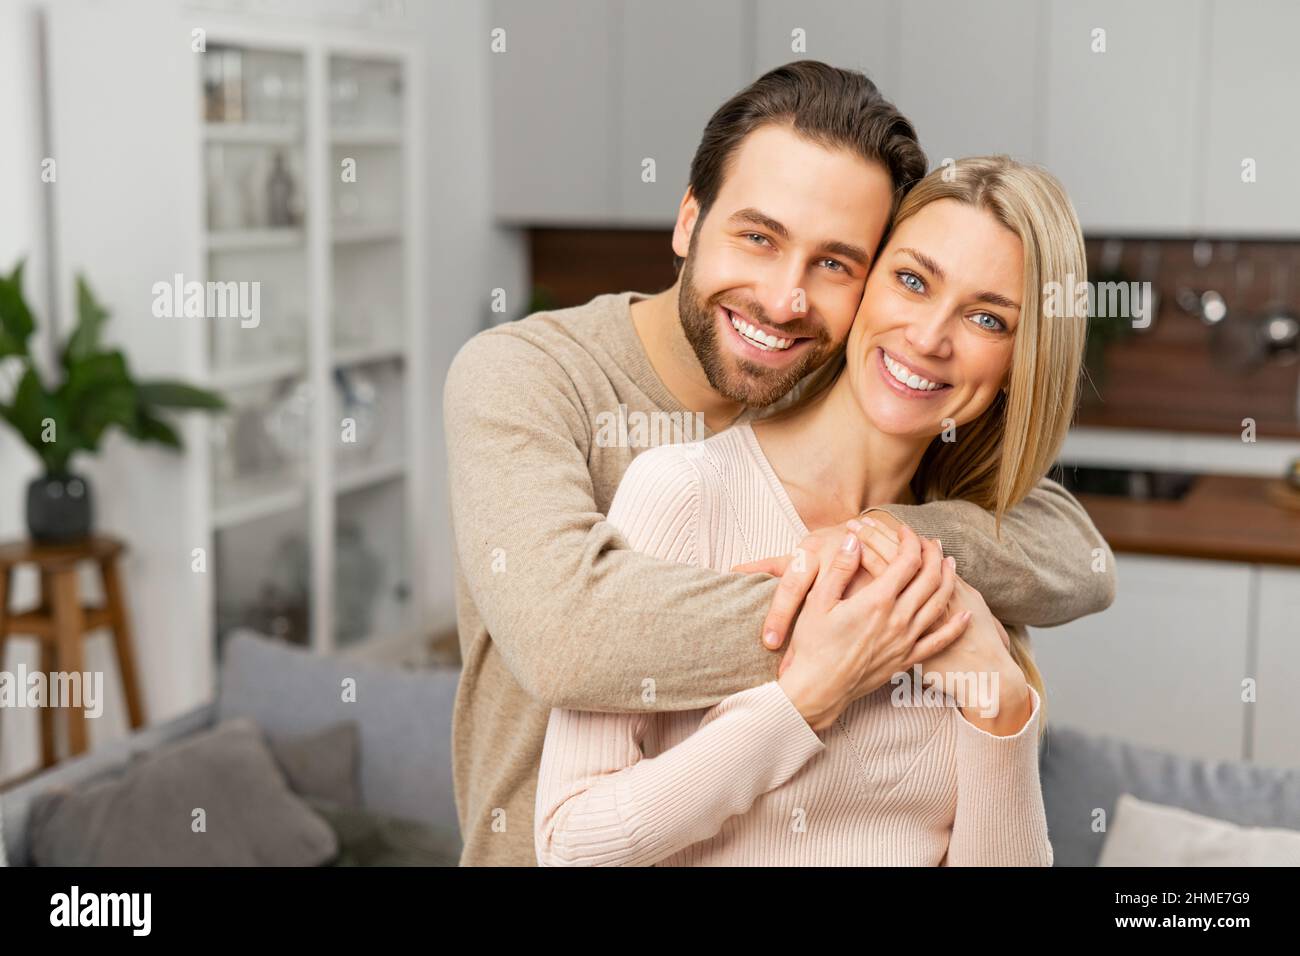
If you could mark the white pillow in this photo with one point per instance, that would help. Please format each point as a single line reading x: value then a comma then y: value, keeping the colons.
x: 1150, y: 834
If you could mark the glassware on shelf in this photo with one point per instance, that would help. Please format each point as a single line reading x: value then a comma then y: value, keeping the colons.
x: 358, y: 400
x: 358, y: 571
x: 287, y: 422
x: 280, y: 190
x: 345, y: 94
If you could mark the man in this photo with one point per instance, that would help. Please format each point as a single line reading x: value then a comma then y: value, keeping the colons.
x: 790, y: 195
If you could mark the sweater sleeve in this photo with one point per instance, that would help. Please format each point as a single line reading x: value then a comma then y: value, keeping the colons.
x: 601, y: 802
x: 580, y: 619
x: 1000, y: 816
x: 1048, y: 565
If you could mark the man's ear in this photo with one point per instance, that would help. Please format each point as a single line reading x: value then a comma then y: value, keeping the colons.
x: 688, y: 214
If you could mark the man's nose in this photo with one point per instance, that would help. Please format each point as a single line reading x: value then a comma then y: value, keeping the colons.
x: 784, y: 299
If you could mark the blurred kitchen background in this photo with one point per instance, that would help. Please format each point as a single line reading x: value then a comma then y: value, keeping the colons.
x: 498, y: 151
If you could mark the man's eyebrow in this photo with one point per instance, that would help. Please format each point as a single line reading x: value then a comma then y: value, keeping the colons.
x: 849, y: 251
x: 755, y: 217
x: 992, y: 298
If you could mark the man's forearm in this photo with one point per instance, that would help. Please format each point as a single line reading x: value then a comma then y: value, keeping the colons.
x: 1048, y: 565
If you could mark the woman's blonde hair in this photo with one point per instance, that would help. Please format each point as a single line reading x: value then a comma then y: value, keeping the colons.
x: 1001, y: 456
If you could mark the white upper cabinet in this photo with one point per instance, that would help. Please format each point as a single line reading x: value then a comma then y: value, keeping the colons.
x: 1122, y: 124
x: 860, y: 36
x: 968, y: 77
x: 553, y: 111
x: 678, y: 62
x: 1251, y: 128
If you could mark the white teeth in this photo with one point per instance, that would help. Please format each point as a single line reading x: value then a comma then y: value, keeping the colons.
x: 759, y: 338
x: 908, y: 377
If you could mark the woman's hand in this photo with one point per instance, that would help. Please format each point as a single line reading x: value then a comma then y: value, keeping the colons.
x: 899, y: 618
x: 977, y: 670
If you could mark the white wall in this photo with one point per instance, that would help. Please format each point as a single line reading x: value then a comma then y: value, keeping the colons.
x: 22, y: 234
x: 470, y: 256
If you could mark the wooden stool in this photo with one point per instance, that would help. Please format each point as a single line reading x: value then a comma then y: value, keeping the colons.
x: 61, y: 621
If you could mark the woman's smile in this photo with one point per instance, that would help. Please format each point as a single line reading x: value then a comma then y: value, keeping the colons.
x: 907, y: 380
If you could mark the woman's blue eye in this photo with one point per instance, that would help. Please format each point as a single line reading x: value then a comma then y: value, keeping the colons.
x: 904, y: 276
x: 996, y: 323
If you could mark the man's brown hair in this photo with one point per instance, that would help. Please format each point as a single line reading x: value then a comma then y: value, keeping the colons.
x: 830, y: 106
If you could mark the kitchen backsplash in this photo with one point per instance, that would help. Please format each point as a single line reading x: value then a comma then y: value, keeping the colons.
x: 1179, y: 372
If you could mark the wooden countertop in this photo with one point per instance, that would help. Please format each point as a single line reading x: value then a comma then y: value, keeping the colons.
x: 1222, y: 518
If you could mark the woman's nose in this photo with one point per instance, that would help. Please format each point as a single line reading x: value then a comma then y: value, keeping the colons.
x: 929, y: 334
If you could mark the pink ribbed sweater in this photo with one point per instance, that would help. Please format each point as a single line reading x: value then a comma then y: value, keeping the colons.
x: 748, y: 782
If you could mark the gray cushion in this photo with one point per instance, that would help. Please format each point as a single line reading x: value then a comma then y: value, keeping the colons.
x: 403, y: 717
x: 323, y: 764
x: 1081, y: 772
x: 144, y: 814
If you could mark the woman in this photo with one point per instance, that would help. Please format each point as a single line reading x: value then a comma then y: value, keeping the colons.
x: 954, y: 383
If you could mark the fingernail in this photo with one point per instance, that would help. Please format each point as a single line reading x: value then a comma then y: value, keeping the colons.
x: 850, y: 542
x: 867, y: 521
x: 950, y: 561
x: 770, y: 638
x: 854, y: 524
x: 940, y: 544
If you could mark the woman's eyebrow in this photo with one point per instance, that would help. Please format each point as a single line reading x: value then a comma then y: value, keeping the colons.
x: 926, y: 263
x: 992, y: 298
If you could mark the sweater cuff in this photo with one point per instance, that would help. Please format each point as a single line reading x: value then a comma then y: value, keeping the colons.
x: 994, y: 746
x: 930, y: 522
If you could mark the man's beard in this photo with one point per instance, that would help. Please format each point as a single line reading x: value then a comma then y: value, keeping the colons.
x: 736, y: 379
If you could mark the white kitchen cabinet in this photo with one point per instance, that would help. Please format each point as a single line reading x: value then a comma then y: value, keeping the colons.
x: 861, y: 36
x: 968, y: 77
x: 1122, y: 126
x: 1254, y: 83
x: 1162, y: 667
x: 1277, y: 668
x: 554, y: 118
x: 678, y: 62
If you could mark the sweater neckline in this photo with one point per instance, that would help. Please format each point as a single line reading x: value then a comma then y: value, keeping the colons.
x: 746, y: 432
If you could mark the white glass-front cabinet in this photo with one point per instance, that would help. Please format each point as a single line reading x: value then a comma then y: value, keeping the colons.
x: 306, y: 159
x: 273, y: 170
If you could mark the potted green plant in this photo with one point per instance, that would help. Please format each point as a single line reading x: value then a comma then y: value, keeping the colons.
x: 95, y: 392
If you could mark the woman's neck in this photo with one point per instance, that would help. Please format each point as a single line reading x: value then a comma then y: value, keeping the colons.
x: 834, y: 463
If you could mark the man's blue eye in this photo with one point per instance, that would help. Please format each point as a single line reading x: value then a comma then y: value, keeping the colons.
x: 835, y: 264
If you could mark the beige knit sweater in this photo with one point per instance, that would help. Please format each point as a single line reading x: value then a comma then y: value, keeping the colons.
x: 554, y: 609
x: 748, y: 782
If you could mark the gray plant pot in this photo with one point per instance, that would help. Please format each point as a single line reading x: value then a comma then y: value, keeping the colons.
x: 59, y: 509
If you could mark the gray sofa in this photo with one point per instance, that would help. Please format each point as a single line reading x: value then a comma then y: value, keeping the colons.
x: 403, y: 719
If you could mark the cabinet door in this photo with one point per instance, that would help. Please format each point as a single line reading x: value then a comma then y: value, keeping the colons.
x: 1163, y: 665
x: 553, y: 112
x: 968, y: 77
x: 862, y: 35
x: 1254, y: 84
x: 678, y: 62
x: 1122, y: 131
x: 1277, y: 668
